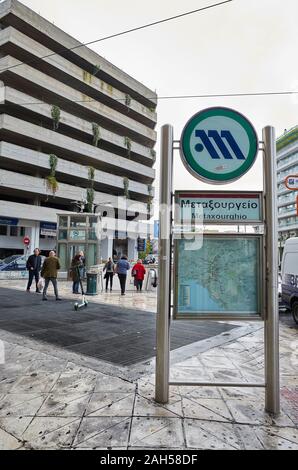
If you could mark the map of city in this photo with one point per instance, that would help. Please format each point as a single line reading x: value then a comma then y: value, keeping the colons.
x: 221, y: 276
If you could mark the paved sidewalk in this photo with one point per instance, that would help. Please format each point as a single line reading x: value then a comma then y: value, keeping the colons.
x: 52, y: 399
x: 147, y: 300
x: 108, y: 332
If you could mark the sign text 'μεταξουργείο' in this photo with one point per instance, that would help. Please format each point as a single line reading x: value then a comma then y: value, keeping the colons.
x: 225, y: 208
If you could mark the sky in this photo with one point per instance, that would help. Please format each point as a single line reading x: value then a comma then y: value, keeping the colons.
x: 243, y: 46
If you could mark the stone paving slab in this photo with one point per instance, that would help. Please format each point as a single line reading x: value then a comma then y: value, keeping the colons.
x: 53, y: 398
x: 47, y: 402
x: 110, y: 333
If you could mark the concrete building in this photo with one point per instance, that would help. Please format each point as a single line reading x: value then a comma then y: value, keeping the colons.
x: 287, y: 164
x: 73, y: 127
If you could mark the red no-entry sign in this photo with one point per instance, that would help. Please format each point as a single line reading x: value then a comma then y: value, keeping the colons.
x: 26, y: 241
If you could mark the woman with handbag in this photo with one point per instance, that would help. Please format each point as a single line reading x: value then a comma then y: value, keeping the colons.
x: 109, y: 268
x: 138, y: 272
x: 76, y: 272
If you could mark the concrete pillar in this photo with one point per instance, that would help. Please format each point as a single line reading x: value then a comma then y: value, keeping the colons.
x: 106, y: 248
x: 33, y: 233
x: 36, y: 201
x: 132, y: 249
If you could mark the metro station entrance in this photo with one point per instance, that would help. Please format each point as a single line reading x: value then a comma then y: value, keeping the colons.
x: 219, y: 274
x: 77, y: 232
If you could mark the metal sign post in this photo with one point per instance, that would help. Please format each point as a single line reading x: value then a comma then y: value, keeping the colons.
x: 219, y: 145
x: 272, y: 399
x: 164, y: 284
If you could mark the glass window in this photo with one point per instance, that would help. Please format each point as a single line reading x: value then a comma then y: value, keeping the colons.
x: 10, y: 259
x: 75, y: 249
x: 3, y: 230
x: 63, y: 221
x: 62, y: 234
x: 21, y: 262
x: 93, y: 221
x: 77, y: 234
x: 284, y: 209
x: 78, y: 221
x: 62, y: 253
x: 13, y: 231
x: 17, y: 264
x: 92, y: 235
x: 92, y: 255
x: 22, y: 231
x: 288, y: 221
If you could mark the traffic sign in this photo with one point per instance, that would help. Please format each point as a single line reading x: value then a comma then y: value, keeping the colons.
x: 291, y: 182
x: 26, y: 241
x: 218, y: 145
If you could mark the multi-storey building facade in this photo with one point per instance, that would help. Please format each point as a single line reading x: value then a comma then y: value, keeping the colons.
x: 287, y: 164
x: 73, y: 127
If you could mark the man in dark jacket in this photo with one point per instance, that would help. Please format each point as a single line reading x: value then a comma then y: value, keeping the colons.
x: 49, y: 272
x: 121, y: 268
x: 34, y: 266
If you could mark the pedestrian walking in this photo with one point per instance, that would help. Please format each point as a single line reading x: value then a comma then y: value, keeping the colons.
x: 83, y: 265
x: 34, y: 266
x: 122, y: 267
x: 77, y: 272
x: 109, y: 268
x: 138, y: 272
x: 49, y: 272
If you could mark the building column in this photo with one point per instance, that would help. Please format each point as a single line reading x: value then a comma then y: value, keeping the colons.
x: 132, y: 249
x: 36, y: 201
x: 33, y: 233
x: 106, y: 248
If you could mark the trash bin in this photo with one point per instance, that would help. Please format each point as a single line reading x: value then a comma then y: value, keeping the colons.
x: 91, y: 283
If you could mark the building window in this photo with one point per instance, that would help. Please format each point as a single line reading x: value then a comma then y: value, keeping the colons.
x: 22, y: 231
x: 3, y: 230
x: 13, y: 231
x: 63, y: 221
x: 78, y: 222
x: 62, y: 234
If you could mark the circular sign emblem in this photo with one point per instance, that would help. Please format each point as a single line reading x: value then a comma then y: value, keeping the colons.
x: 291, y: 182
x: 26, y: 241
x: 218, y: 145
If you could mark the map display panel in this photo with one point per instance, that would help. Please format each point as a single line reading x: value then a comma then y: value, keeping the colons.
x: 220, y: 276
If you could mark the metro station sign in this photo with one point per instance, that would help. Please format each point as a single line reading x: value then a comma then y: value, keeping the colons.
x: 291, y: 182
x: 218, y: 145
x: 218, y: 207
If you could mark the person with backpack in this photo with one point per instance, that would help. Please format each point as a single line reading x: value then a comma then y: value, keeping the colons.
x: 33, y: 265
x: 109, y: 268
x: 138, y: 272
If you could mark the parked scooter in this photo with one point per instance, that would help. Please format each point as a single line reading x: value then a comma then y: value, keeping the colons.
x: 84, y: 302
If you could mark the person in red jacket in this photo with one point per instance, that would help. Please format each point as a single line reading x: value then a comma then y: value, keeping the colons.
x: 138, y: 272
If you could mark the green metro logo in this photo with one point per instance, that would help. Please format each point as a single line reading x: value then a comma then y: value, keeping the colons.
x: 233, y: 142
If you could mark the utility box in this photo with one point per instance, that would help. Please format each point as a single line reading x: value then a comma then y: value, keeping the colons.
x: 92, y: 283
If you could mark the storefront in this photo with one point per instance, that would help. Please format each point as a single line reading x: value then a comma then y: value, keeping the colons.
x: 13, y: 231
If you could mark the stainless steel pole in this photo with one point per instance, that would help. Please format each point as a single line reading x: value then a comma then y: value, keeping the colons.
x: 164, y: 281
x: 272, y: 398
